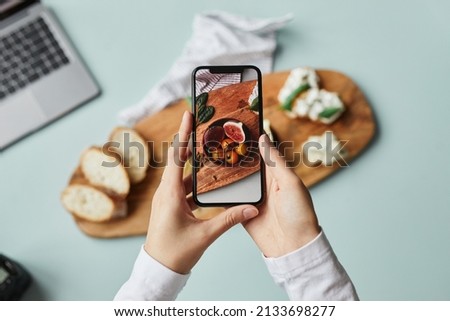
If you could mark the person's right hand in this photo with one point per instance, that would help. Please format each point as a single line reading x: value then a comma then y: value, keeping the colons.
x: 175, y: 237
x: 286, y: 219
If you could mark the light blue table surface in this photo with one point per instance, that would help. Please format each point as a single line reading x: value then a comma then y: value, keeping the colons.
x: 387, y: 215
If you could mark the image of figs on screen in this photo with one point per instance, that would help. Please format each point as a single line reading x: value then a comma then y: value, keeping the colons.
x: 227, y: 112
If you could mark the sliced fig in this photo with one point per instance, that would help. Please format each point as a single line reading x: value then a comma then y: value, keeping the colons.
x: 235, y: 131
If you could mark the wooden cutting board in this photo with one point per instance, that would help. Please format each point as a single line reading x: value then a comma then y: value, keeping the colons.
x: 356, y: 125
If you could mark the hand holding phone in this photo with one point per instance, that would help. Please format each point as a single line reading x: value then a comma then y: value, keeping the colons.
x: 286, y: 220
x: 175, y: 237
x: 228, y: 117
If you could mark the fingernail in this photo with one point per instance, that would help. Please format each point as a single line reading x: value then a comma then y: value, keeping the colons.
x: 249, y: 212
x: 265, y: 142
x: 266, y: 139
x: 185, y: 114
x: 183, y: 120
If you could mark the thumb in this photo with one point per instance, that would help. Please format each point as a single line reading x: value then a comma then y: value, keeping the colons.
x: 229, y: 218
x: 275, y: 163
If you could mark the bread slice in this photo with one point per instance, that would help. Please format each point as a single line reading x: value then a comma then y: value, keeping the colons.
x: 133, y: 150
x: 105, y: 171
x: 92, y: 204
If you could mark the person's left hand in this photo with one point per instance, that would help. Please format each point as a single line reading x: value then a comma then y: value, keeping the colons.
x: 175, y: 237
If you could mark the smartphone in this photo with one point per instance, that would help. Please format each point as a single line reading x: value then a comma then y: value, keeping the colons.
x: 228, y: 121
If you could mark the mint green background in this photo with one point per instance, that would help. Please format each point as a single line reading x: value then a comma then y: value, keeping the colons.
x: 387, y: 215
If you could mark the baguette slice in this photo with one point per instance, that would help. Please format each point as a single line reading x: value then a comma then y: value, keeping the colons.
x: 92, y: 204
x: 134, y: 153
x: 105, y: 171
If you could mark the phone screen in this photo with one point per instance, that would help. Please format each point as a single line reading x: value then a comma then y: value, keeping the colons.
x: 227, y: 108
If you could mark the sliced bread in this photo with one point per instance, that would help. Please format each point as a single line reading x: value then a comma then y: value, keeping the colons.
x: 105, y: 171
x: 133, y: 150
x: 92, y: 204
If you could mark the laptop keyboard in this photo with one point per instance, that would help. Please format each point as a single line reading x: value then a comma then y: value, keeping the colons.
x: 28, y: 54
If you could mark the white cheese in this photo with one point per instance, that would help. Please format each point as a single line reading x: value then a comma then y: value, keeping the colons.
x: 267, y: 130
x: 317, y: 152
x: 317, y: 101
x: 298, y: 77
x: 253, y: 95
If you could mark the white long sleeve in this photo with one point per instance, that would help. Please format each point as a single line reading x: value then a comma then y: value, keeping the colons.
x: 312, y: 272
x: 151, y: 281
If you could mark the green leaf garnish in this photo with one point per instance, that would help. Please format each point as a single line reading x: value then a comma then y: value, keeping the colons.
x: 290, y: 99
x: 329, y: 112
x: 255, y: 104
x: 205, y: 113
x: 201, y: 100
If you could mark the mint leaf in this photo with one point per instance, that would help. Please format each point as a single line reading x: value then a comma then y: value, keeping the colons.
x: 201, y: 100
x: 329, y: 112
x: 255, y: 104
x: 290, y: 100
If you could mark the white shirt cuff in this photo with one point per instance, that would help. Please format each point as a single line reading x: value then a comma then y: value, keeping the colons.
x: 312, y: 272
x: 301, y: 257
x: 151, y: 281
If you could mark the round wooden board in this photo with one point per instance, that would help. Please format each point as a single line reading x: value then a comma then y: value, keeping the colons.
x: 356, y: 125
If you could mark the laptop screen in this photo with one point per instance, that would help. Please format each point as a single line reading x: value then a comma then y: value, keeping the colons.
x: 9, y: 7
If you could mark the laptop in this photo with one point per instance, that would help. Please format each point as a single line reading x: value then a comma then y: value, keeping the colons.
x: 41, y: 75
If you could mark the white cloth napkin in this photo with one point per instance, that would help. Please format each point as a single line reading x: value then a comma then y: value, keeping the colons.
x: 219, y: 38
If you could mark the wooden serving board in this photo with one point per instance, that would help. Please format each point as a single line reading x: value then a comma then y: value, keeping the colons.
x: 356, y: 125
